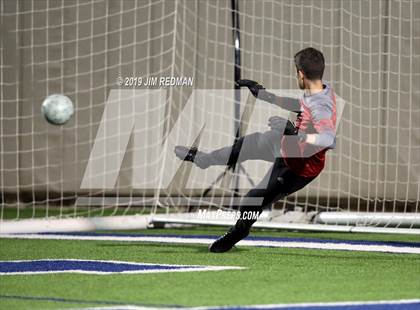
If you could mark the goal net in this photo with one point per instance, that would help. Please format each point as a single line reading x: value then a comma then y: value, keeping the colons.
x: 145, y: 76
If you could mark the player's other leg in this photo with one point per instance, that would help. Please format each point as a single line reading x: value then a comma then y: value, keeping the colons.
x: 263, y: 146
x: 279, y: 182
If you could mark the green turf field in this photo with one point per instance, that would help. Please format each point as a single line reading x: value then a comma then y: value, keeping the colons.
x: 272, y: 275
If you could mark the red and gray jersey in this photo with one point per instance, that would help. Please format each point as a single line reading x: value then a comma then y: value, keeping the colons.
x: 317, y: 117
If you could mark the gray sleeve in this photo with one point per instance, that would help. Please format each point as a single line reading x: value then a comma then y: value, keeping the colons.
x: 325, y: 139
x: 322, y: 114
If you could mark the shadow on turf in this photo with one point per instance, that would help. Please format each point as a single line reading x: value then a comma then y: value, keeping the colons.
x: 82, y: 301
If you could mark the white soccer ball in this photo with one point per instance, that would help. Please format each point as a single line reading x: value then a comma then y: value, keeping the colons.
x: 57, y: 109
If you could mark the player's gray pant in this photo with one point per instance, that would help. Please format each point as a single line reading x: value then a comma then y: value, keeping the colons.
x: 277, y: 183
x: 263, y: 146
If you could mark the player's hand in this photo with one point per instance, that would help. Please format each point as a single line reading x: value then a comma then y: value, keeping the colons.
x: 254, y: 87
x: 258, y: 91
x: 282, y: 124
x: 302, y: 137
x: 277, y: 123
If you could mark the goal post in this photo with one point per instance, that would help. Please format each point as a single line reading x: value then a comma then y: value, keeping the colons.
x: 145, y: 76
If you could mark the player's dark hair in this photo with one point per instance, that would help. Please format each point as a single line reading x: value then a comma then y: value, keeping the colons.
x: 311, y: 62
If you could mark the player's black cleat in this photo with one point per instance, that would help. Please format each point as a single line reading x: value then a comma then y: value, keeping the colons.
x: 228, y: 240
x: 186, y: 154
x: 201, y: 159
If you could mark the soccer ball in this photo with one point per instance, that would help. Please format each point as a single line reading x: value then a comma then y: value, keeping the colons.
x: 57, y: 109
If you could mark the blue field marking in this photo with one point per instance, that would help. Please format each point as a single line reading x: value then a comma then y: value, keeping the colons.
x: 94, y: 267
x: 279, y: 239
x: 413, y: 304
x: 379, y: 305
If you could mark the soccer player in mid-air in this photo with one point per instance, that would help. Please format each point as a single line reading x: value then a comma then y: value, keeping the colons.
x: 296, y: 150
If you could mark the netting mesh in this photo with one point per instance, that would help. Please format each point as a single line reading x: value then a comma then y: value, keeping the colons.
x: 84, y: 48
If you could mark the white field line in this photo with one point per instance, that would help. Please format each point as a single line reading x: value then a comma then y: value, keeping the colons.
x: 333, y: 246
x: 259, y: 243
x: 332, y: 305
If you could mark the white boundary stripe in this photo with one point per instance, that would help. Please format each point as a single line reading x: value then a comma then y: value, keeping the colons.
x: 260, y: 243
x: 333, y: 246
x: 269, y: 306
x: 188, y: 268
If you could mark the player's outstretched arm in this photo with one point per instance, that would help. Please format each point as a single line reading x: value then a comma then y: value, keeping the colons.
x: 288, y: 103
